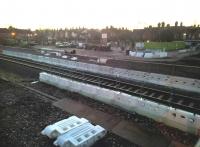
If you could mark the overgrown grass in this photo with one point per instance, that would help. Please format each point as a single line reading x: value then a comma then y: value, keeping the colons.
x: 164, y: 45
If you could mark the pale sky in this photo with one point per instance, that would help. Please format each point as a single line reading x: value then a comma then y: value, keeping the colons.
x: 132, y: 14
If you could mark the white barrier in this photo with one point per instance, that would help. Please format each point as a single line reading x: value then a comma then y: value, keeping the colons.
x: 83, y: 136
x: 63, y: 126
x: 129, y: 103
x: 197, y: 144
x: 148, y: 55
x: 74, y: 132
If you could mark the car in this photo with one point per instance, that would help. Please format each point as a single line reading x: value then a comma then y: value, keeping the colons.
x: 74, y: 58
x: 64, y: 56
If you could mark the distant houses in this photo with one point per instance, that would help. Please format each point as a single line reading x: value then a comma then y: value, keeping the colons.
x: 12, y: 36
x: 120, y: 37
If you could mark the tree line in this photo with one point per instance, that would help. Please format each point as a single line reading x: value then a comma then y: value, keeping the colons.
x: 162, y: 32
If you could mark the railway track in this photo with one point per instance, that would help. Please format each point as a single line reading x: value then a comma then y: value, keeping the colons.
x: 188, y: 103
x: 190, y: 69
x: 177, y: 64
x: 187, y: 68
x: 42, y: 95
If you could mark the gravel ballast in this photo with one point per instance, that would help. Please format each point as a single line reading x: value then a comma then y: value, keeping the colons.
x: 23, y: 115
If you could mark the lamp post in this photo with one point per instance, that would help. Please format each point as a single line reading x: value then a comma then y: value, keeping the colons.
x: 13, y: 34
x: 184, y: 36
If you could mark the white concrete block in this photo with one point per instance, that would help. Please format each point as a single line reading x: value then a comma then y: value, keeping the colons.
x: 84, y: 135
x: 140, y: 105
x: 63, y: 126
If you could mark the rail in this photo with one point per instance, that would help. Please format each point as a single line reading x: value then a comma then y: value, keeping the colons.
x: 187, y: 103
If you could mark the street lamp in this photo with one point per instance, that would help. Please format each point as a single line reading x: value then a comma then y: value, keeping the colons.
x: 184, y: 36
x: 13, y: 34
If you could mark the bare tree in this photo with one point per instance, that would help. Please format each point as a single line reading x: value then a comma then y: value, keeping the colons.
x: 159, y: 25
x: 163, y: 24
x: 176, y: 23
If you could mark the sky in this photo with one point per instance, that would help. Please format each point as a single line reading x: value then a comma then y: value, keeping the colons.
x: 131, y: 14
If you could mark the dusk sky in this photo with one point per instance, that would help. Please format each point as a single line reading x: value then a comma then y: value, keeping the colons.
x: 132, y: 14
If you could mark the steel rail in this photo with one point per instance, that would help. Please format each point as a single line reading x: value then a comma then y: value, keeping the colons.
x: 191, y: 104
